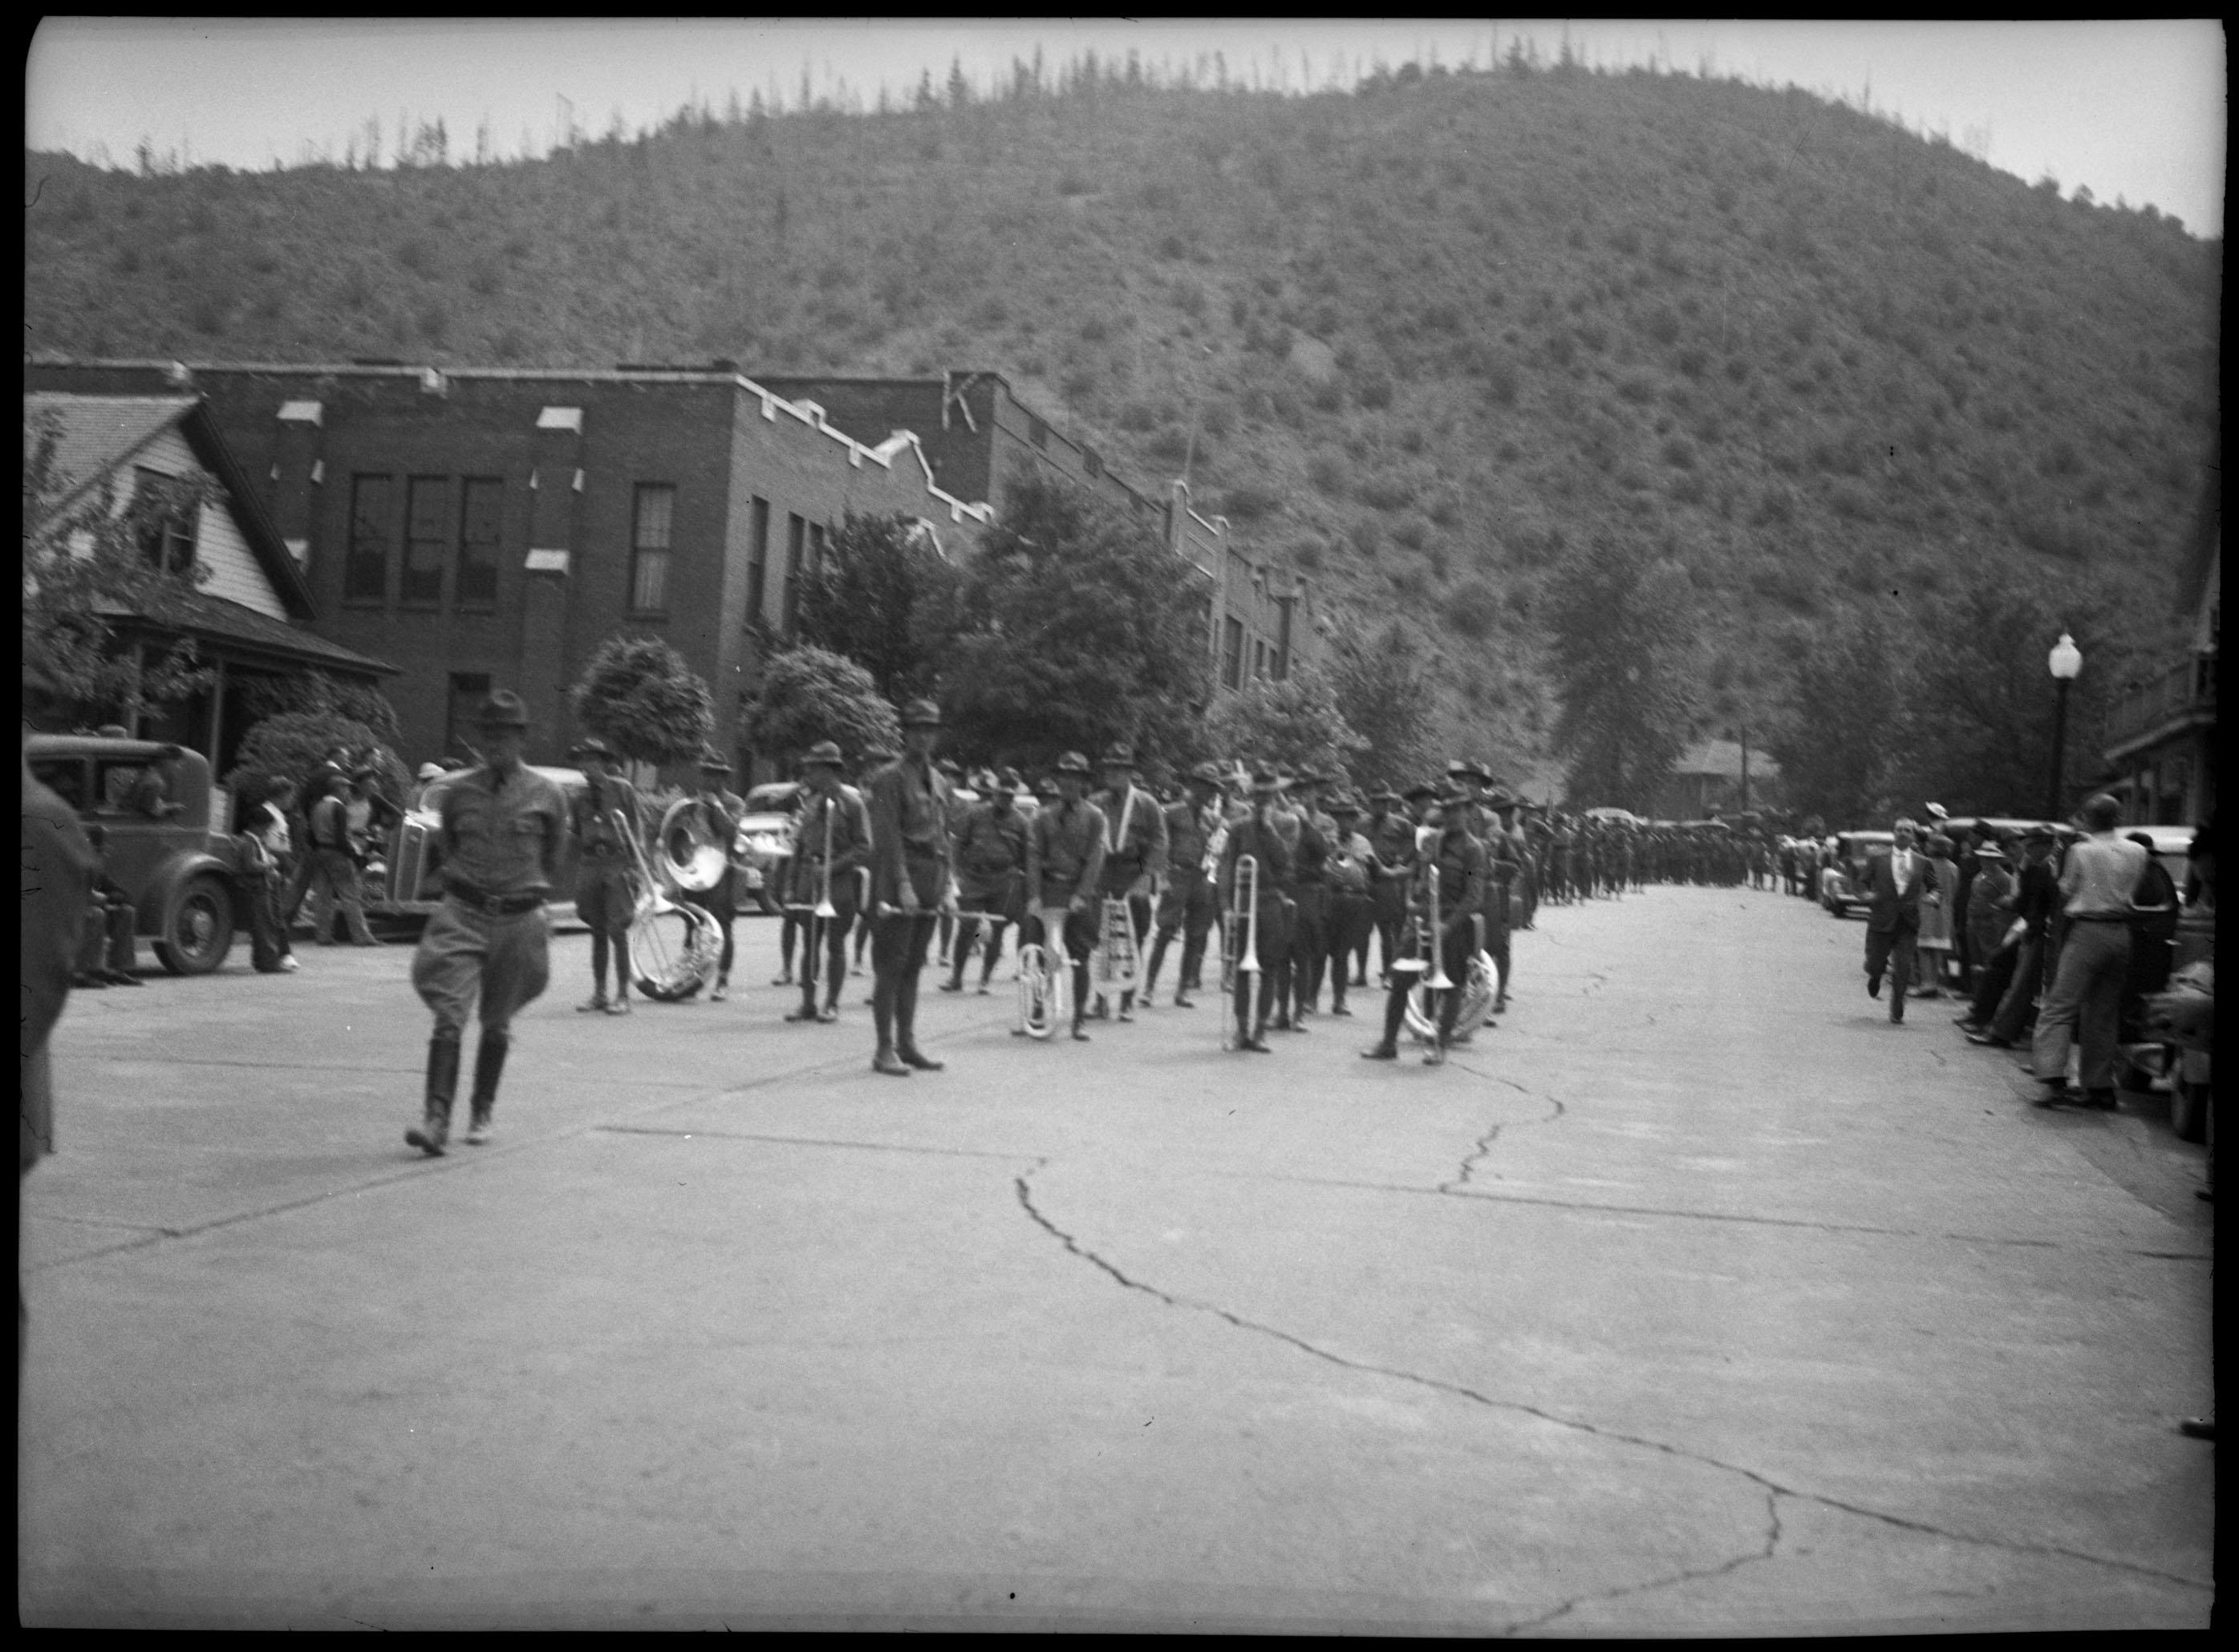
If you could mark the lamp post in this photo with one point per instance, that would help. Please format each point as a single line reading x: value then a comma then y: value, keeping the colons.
x: 2064, y: 661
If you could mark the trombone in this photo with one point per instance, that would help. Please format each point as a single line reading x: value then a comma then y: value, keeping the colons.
x: 1239, y: 942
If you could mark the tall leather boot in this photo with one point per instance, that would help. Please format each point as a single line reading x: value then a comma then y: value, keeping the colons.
x: 489, y: 1063
x: 435, y: 1127
x: 905, y: 1026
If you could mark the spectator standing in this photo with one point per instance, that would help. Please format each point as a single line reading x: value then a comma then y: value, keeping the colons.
x: 1989, y: 914
x: 334, y: 862
x: 1939, y: 897
x: 266, y: 857
x: 2153, y: 933
x: 2098, y: 886
x: 2035, y: 896
x: 106, y: 949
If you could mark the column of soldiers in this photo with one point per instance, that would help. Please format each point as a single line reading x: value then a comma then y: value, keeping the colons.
x: 896, y: 859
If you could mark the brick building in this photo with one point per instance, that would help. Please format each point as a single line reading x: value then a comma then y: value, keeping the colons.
x: 490, y: 528
x: 976, y: 435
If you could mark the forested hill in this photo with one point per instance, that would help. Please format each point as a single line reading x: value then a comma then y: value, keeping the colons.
x: 1437, y: 331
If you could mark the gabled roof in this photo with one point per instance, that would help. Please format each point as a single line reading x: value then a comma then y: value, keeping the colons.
x: 215, y: 619
x: 97, y: 436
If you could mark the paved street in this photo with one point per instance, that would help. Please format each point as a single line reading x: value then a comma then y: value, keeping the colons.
x: 1693, y: 1298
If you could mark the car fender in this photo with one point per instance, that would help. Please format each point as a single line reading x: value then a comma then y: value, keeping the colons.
x: 153, y: 909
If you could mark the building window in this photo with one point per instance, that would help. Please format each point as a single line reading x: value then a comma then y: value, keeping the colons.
x: 1259, y: 658
x: 651, y: 521
x: 796, y: 540
x: 365, y: 576
x: 468, y: 689
x: 757, y: 558
x: 424, y: 541
x: 482, y: 517
x: 1037, y: 430
x: 168, y: 534
x: 816, y: 542
x: 1231, y: 652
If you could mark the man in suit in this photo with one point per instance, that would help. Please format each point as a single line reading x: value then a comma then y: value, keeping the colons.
x: 1893, y: 890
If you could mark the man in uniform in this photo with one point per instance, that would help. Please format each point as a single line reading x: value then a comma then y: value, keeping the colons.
x: 1506, y: 853
x: 497, y: 844
x: 875, y: 758
x: 719, y: 811
x: 1456, y: 861
x: 990, y: 869
x: 830, y: 844
x: 605, y: 818
x: 1268, y: 926
x: 1134, y: 854
x: 1391, y: 833
x: 911, y: 885
x: 1065, y: 868
x: 1190, y: 903
x: 1350, y: 915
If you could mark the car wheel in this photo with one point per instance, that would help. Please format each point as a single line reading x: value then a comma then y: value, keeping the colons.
x: 198, y: 931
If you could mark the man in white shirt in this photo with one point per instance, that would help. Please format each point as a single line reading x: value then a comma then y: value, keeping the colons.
x: 2097, y: 888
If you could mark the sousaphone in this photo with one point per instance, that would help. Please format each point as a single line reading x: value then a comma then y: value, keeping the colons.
x: 691, y: 861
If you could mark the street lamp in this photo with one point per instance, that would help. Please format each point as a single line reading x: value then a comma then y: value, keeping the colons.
x: 2064, y: 661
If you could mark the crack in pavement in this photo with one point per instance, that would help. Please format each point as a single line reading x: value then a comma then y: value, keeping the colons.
x: 1022, y: 1184
x: 1484, y: 1145
x: 1691, y: 1574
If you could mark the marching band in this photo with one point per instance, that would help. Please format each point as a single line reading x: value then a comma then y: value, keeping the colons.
x: 1296, y: 873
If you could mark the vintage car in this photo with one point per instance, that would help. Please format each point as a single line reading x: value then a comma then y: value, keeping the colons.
x: 179, y: 866
x: 765, y: 837
x: 400, y: 884
x: 1843, y: 884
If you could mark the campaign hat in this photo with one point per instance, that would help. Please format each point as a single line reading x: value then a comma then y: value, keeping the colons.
x: 1210, y: 772
x: 920, y: 713
x: 1118, y: 755
x: 503, y: 709
x: 591, y: 746
x: 713, y: 761
x: 826, y: 752
x: 1342, y: 803
x: 1267, y: 781
x: 1422, y: 789
x: 430, y: 772
x: 1071, y: 763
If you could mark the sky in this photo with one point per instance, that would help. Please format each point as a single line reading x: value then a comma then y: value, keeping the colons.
x: 2133, y: 111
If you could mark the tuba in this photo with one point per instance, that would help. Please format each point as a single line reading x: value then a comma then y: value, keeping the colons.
x: 692, y: 862
x: 673, y: 945
x: 1045, y: 987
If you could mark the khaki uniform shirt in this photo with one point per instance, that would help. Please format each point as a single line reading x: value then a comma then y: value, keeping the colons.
x: 502, y: 837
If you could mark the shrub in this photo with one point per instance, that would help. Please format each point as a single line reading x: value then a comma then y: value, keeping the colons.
x: 1096, y: 330
x: 1250, y: 504
x: 1367, y: 536
x: 1070, y: 181
x: 1678, y: 453
x: 1411, y: 531
x: 1326, y: 471
x: 1593, y: 335
x: 1374, y: 390
x: 1471, y: 609
x: 1661, y: 325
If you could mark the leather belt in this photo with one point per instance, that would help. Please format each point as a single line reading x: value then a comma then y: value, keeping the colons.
x: 496, y: 906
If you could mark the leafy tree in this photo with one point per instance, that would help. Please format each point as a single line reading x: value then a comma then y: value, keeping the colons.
x: 1979, y: 729
x: 87, y: 565
x: 638, y: 695
x: 810, y: 694
x: 293, y: 745
x: 1083, y: 629
x: 1839, y: 748
x: 1387, y: 694
x: 312, y: 690
x: 884, y: 598
x: 1618, y: 623
x: 1295, y: 721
